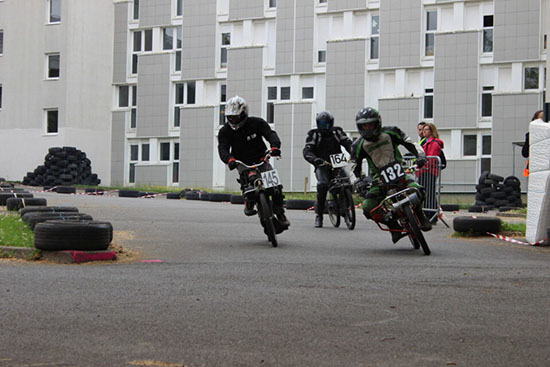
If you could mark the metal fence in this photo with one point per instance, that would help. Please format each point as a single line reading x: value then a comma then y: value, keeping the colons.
x: 429, y: 177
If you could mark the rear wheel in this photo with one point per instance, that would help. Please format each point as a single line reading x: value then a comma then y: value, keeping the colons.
x: 415, y: 233
x: 266, y: 215
x: 348, y: 209
x: 333, y: 210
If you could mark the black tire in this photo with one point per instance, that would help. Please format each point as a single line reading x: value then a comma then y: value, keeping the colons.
x: 500, y: 203
x: 508, y: 189
x: 486, y: 191
x: 475, y: 209
x: 128, y: 193
x: 348, y: 211
x: 450, y: 207
x: 477, y: 225
x: 512, y: 181
x: 490, y: 182
x: 4, y: 196
x: 491, y: 201
x: 266, y: 216
x: 18, y: 203
x: 333, y: 210
x: 65, y: 190
x: 494, y: 177
x: 173, y: 195
x: 480, y: 203
x: 481, y: 187
x: 237, y: 199
x: 507, y: 208
x: 416, y: 232
x: 192, y: 195
x: 300, y: 204
x: 218, y: 197
x: 483, y: 177
x: 34, y: 218
x: 48, y: 209
x: 204, y: 196
x: 70, y: 235
x: 498, y: 195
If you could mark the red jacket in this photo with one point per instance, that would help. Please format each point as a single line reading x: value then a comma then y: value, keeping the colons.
x: 433, y: 147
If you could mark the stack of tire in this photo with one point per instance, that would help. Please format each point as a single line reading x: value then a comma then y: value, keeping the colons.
x: 8, y: 193
x: 63, y: 166
x: 495, y: 192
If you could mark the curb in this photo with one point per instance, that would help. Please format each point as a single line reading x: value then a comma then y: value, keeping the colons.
x: 17, y: 252
x: 60, y: 257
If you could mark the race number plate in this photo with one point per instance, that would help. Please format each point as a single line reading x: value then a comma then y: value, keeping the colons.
x: 392, y: 172
x: 270, y: 178
x: 338, y: 160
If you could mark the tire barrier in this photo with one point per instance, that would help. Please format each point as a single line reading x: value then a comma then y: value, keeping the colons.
x: 236, y: 199
x: 94, y: 191
x: 14, y: 204
x: 55, y: 235
x: 477, y: 225
x: 494, y: 191
x: 48, y: 209
x: 4, y: 196
x: 450, y: 207
x: 63, y: 166
x: 33, y: 219
x: 216, y: 197
x: 300, y: 204
x: 173, y: 195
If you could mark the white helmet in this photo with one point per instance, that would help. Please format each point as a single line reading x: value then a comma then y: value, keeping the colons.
x: 236, y: 111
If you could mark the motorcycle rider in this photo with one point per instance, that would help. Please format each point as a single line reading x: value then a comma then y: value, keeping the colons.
x: 321, y: 143
x: 241, y: 138
x: 379, y: 146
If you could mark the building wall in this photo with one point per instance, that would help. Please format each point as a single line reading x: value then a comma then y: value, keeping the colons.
x: 400, y: 33
x: 153, y: 95
x: 199, y: 41
x: 244, y: 76
x: 517, y: 30
x: 336, y: 5
x: 245, y: 9
x: 152, y: 174
x: 118, y: 147
x: 120, y: 57
x: 155, y: 12
x: 401, y: 112
x: 197, y: 147
x: 456, y: 80
x: 345, y: 80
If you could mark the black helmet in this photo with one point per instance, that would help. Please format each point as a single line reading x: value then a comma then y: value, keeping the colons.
x: 369, y: 123
x: 325, y: 120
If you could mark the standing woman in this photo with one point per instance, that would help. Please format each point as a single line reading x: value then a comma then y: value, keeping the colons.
x: 428, y: 176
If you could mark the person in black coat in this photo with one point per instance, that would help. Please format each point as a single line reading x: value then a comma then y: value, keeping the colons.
x: 241, y: 138
x: 321, y: 143
x: 525, y: 148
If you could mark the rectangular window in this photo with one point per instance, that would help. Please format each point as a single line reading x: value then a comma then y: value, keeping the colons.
x: 148, y: 40
x: 487, y: 102
x: 54, y: 11
x: 271, y: 93
x: 53, y: 66
x: 226, y: 42
x: 190, y: 92
x: 223, y: 100
x: 123, y: 96
x: 175, y: 172
x: 134, y: 148
x: 133, y: 118
x: 429, y: 104
x: 145, y: 152
x: 52, y: 121
x: 374, y: 40
x: 545, y: 42
x: 179, y: 8
x: 177, y: 116
x: 307, y: 93
x: 132, y: 173
x: 322, y: 56
x: 469, y: 147
x: 135, y: 13
x: 488, y: 33
x: 164, y: 151
x: 272, y: 3
x: 270, y: 118
x: 0, y: 96
x: 1, y: 42
x: 531, y: 80
x: 176, y: 151
x: 134, y: 64
x: 431, y: 27
x: 167, y: 39
x: 137, y: 41
x: 486, y: 145
x: 177, y: 63
x: 485, y: 164
x: 285, y: 93
x: 179, y: 93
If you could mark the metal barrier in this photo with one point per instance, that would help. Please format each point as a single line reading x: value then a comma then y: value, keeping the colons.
x: 429, y: 177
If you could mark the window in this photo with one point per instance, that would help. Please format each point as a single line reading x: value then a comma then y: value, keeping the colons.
x: 531, y: 80
x: 488, y: 33
x: 176, y: 164
x: 53, y: 66
x: 223, y: 99
x: 431, y: 27
x: 135, y: 14
x: 469, y: 147
x: 190, y: 92
x: 0, y: 96
x: 145, y: 152
x: 307, y: 93
x: 271, y: 96
x: 486, y: 145
x: 54, y: 11
x: 322, y: 56
x: 272, y: 3
x: 132, y: 173
x: 148, y: 40
x: 172, y: 40
x: 1, y: 42
x: 52, y: 121
x: 134, y: 152
x: 176, y: 151
x: 164, y: 151
x: 133, y: 110
x: 322, y: 1
x: 374, y: 39
x: 226, y: 42
x: 429, y: 104
x: 544, y: 42
x: 123, y: 96
x: 285, y: 93
x: 179, y: 8
x: 184, y: 95
x: 487, y: 102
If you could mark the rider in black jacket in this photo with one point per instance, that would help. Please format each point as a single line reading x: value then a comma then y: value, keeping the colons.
x: 241, y: 138
x: 321, y: 143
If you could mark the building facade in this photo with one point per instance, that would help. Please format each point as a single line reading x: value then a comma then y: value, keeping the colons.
x: 475, y: 68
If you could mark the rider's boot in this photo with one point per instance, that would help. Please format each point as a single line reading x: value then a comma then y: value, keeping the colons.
x: 279, y: 212
x: 425, y: 223
x: 249, y: 208
x: 319, y: 221
x: 396, y: 235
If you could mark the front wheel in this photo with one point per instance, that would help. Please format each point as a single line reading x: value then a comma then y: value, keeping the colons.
x: 348, y: 209
x: 415, y: 234
x: 266, y: 216
x: 333, y: 210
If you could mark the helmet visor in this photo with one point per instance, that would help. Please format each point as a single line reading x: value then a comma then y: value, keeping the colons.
x: 368, y: 126
x: 233, y: 119
x: 323, y: 125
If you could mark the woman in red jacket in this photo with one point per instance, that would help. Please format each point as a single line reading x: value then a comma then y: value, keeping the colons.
x: 429, y: 174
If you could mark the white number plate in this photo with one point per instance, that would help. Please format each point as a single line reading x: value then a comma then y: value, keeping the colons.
x: 270, y: 178
x: 392, y: 172
x: 338, y: 160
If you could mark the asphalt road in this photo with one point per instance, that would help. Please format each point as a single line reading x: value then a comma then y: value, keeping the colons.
x: 224, y: 297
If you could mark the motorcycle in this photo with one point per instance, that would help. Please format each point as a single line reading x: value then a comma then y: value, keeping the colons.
x: 340, y: 203
x: 399, y: 204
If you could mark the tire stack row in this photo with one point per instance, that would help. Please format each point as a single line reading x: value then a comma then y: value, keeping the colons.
x: 63, y: 166
x: 495, y: 192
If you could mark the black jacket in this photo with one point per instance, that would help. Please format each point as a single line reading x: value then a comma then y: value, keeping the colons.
x: 246, y: 143
x: 319, y: 146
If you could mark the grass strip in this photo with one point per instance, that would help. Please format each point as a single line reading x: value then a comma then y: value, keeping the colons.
x: 14, y: 232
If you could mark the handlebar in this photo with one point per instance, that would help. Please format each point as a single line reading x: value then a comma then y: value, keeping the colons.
x: 266, y: 158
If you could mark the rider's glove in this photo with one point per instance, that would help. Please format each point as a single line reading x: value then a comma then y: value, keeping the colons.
x: 275, y: 152
x: 421, y: 162
x: 362, y: 183
x: 318, y: 162
x: 232, y: 163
